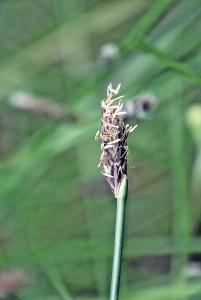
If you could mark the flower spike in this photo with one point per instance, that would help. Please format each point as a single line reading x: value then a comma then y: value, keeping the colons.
x: 114, y: 135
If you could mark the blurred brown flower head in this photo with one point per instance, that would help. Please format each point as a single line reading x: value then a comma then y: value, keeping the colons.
x: 11, y: 280
x: 114, y: 135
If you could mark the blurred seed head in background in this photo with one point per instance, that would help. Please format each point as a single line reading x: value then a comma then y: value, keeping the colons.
x: 140, y: 107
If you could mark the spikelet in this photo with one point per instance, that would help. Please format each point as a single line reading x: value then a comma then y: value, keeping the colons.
x: 114, y: 134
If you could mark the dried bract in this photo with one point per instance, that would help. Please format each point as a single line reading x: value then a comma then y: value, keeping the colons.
x: 114, y: 135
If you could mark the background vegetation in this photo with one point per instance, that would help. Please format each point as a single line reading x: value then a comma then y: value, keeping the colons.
x: 56, y: 212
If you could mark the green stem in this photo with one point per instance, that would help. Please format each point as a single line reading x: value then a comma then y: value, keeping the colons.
x: 118, y: 245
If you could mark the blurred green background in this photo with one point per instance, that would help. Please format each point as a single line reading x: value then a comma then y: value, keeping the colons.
x: 57, y: 213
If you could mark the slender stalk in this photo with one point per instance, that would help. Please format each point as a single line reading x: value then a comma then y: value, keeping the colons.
x: 113, y: 160
x: 119, y: 235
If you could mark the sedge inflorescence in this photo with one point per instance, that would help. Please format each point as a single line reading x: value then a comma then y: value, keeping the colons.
x: 114, y: 134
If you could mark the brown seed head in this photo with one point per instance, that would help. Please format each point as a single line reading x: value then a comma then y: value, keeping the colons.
x: 11, y: 280
x: 114, y: 135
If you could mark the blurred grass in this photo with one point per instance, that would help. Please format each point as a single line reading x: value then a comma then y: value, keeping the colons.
x: 56, y: 213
